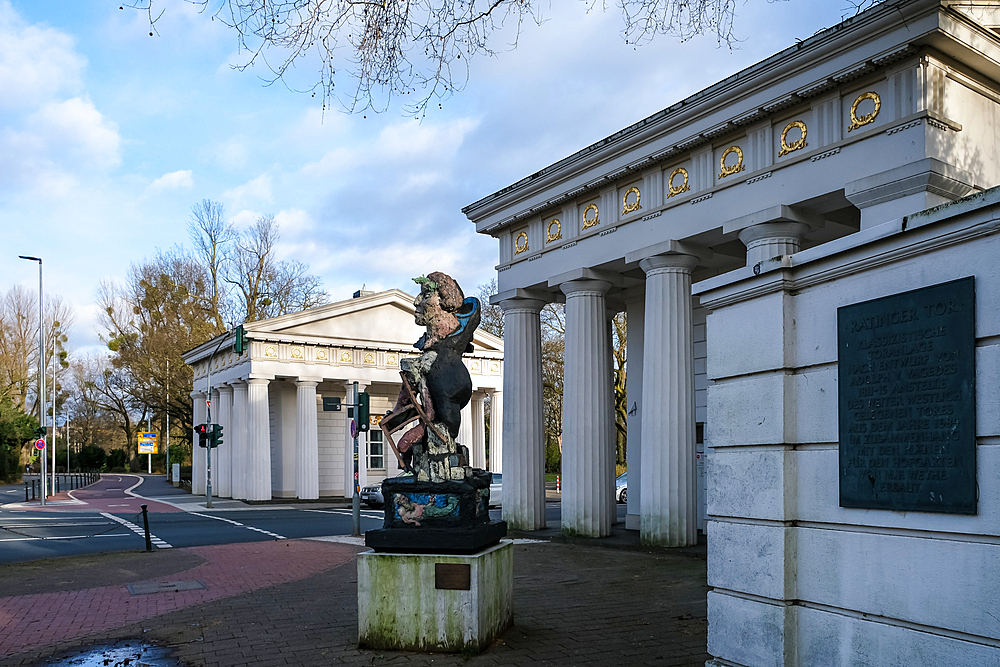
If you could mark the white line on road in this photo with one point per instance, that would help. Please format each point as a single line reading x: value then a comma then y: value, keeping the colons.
x: 68, y: 537
x: 237, y: 523
x: 137, y: 530
x: 368, y: 514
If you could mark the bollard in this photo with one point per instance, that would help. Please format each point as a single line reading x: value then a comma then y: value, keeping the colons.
x: 558, y: 488
x: 145, y: 525
x: 25, y: 492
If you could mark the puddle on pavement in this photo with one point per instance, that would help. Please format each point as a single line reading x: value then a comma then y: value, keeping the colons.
x: 119, y: 654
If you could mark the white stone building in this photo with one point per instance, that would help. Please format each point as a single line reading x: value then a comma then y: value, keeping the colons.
x: 283, y: 437
x: 730, y: 227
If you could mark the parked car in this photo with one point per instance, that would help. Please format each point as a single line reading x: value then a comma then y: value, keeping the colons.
x: 372, y: 495
x: 621, y: 488
x: 496, y: 490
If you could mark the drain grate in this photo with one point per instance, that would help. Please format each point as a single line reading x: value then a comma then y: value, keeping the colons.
x: 147, y: 587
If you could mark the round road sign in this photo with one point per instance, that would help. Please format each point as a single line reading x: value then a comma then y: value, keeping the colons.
x: 40, y: 444
x: 354, y: 429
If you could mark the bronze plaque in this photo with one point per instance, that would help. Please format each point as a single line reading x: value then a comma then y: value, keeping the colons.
x: 907, y: 389
x: 452, y: 576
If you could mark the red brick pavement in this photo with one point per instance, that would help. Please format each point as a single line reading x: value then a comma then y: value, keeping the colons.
x: 31, y: 621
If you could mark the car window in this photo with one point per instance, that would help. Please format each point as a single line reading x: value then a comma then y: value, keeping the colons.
x: 497, y: 477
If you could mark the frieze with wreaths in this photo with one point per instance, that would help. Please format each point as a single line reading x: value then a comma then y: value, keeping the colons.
x: 796, y: 145
x: 634, y: 206
x: 725, y: 170
x: 591, y: 222
x: 674, y: 190
x: 861, y: 121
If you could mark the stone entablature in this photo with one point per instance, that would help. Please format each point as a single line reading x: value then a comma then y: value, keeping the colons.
x: 890, y: 87
x: 322, y: 357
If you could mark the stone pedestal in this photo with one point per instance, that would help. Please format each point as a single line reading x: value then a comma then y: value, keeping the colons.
x: 430, y: 602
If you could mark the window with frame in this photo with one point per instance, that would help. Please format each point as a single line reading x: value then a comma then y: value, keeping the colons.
x: 376, y: 449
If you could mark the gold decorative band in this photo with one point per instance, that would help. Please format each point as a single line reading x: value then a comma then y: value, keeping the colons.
x: 591, y: 222
x: 629, y: 208
x: 551, y: 236
x: 736, y: 168
x: 857, y: 122
x: 521, y: 243
x: 798, y: 144
x: 678, y: 189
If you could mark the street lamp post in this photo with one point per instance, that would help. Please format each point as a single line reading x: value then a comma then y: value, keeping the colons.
x: 41, y: 363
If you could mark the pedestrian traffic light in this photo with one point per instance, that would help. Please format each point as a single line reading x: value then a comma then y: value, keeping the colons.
x: 363, y: 404
x: 203, y: 434
x: 217, y: 435
x: 241, y: 343
x: 40, y: 432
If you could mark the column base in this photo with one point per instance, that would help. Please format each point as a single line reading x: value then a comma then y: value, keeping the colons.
x: 434, y: 602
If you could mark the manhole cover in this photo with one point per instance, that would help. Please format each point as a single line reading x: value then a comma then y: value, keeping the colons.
x: 147, y: 587
x: 120, y: 654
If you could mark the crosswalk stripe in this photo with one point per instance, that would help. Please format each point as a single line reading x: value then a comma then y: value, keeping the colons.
x: 138, y: 531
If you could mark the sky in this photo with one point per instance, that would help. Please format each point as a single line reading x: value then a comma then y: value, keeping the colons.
x: 109, y: 136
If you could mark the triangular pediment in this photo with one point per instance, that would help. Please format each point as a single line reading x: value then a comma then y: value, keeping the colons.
x: 382, y: 318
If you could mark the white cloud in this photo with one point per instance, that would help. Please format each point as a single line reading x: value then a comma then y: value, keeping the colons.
x: 173, y: 180
x: 257, y: 190
x: 36, y: 63
x: 243, y: 219
x: 293, y: 221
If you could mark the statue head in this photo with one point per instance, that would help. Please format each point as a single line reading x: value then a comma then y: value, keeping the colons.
x: 439, y: 299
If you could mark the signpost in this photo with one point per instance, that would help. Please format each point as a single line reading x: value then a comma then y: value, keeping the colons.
x: 147, y: 445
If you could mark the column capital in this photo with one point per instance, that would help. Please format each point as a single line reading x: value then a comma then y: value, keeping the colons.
x: 362, y: 384
x: 584, y: 287
x: 772, y: 231
x: 258, y: 382
x: 675, y: 262
x: 306, y: 382
x: 225, y: 388
x: 528, y: 305
x: 197, y: 394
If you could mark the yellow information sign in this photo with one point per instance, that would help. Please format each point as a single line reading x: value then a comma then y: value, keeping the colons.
x: 147, y: 443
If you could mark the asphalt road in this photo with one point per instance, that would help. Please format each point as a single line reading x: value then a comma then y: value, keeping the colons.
x: 106, y: 517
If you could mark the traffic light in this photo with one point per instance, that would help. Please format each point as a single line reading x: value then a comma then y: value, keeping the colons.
x: 203, y: 434
x: 363, y: 403
x: 40, y: 432
x: 217, y: 435
x: 241, y: 343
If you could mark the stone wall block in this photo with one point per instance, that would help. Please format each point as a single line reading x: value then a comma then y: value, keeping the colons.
x: 749, y: 632
x: 760, y: 346
x: 749, y: 558
x: 751, y: 484
x: 748, y: 411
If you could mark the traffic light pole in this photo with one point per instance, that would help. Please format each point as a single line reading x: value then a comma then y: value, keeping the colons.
x: 208, y: 403
x: 356, y: 500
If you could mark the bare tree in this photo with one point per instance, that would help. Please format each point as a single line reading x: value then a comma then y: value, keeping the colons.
x: 419, y: 50
x: 264, y: 286
x: 491, y: 319
x: 212, y: 235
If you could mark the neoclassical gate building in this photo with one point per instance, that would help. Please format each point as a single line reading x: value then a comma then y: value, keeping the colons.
x: 282, y: 402
x: 730, y: 227
x: 888, y: 113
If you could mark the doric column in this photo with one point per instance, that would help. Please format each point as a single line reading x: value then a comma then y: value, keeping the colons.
x: 495, y: 458
x: 478, y: 447
x: 240, y: 470
x: 635, y: 309
x: 258, y: 441
x: 349, y: 445
x: 668, y: 510
x: 222, y: 457
x: 306, y: 441
x: 587, y: 406
x: 771, y: 239
x: 465, y: 429
x: 197, y: 453
x: 522, y: 461
x: 612, y: 452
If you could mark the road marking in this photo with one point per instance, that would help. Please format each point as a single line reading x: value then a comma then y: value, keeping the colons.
x: 71, y: 537
x: 368, y: 514
x: 237, y: 523
x: 137, y: 530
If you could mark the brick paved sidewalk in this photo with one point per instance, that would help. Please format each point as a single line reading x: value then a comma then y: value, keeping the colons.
x: 295, y: 603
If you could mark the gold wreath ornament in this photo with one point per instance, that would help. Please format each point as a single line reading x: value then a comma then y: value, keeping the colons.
x: 675, y: 190
x: 736, y: 168
x: 798, y: 144
x: 634, y: 206
x: 591, y: 222
x: 521, y: 243
x: 550, y: 235
x: 857, y: 122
